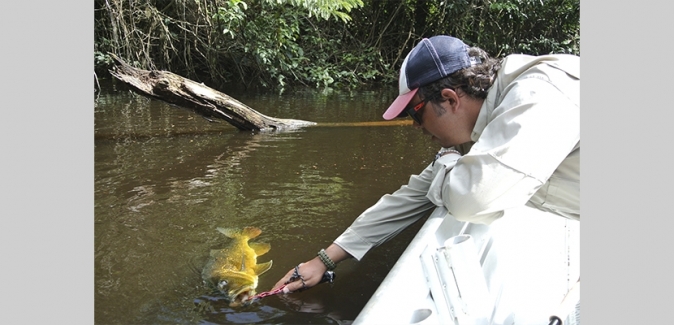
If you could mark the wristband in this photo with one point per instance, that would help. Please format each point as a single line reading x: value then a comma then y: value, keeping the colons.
x: 326, y: 260
x: 443, y: 152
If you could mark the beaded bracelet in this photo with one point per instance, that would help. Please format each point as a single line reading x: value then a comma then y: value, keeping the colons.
x: 326, y: 260
x: 443, y: 152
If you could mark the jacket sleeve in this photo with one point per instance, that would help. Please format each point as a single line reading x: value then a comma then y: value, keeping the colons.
x: 392, y: 213
x: 529, y: 134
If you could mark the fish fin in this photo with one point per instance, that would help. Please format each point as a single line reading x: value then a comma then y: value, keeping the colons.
x: 229, y: 232
x: 261, y: 268
x: 251, y: 232
x: 260, y: 248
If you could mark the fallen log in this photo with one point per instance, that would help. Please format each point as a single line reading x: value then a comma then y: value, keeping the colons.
x: 203, y: 100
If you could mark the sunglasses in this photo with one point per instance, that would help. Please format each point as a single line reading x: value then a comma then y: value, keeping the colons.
x: 415, y: 111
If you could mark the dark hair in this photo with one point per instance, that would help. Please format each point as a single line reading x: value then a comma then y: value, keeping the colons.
x: 474, y: 81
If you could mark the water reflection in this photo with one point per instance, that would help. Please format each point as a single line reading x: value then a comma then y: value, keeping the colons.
x: 165, y: 179
x: 291, y: 310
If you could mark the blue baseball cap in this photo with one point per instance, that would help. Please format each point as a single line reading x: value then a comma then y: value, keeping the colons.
x: 432, y: 59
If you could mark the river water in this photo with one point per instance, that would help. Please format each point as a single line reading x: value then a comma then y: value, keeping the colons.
x: 166, y: 178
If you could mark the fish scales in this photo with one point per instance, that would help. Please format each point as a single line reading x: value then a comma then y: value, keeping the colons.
x: 234, y: 270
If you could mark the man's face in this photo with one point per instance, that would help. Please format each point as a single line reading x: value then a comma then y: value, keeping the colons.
x: 439, y: 121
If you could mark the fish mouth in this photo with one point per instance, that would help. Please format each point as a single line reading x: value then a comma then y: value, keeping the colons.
x: 239, y: 297
x: 237, y: 287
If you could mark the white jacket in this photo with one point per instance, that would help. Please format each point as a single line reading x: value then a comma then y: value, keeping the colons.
x: 526, y: 151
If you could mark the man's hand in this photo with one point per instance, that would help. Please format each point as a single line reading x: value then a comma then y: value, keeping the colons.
x: 303, y: 277
x: 310, y: 273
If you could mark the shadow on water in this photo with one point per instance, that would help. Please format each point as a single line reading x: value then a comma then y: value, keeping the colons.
x: 165, y: 179
x: 284, y: 310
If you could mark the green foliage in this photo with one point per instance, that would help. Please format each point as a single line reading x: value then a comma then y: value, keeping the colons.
x: 318, y: 43
x: 324, y: 9
x: 231, y: 16
x: 102, y: 59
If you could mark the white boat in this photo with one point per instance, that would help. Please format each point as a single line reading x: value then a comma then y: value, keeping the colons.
x: 530, y: 271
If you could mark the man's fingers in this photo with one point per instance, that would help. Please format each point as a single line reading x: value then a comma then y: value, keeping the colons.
x: 295, y: 286
x: 292, y: 287
x: 300, y: 281
x: 283, y: 280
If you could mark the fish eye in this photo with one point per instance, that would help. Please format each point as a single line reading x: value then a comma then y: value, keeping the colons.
x: 222, y: 284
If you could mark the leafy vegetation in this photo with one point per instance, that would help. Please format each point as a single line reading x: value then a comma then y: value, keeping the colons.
x: 276, y: 44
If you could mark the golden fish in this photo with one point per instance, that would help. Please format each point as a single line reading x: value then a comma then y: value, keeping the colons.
x: 234, y: 269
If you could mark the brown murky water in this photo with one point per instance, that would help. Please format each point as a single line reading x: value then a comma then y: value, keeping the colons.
x: 165, y: 178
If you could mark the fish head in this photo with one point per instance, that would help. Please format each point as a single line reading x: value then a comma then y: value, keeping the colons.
x: 236, y: 286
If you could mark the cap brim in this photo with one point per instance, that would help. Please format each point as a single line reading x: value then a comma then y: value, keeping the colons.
x: 399, y: 105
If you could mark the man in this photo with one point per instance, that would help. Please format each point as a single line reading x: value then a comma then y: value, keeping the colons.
x: 523, y: 115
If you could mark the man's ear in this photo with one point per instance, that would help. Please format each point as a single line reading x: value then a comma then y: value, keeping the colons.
x: 451, y: 97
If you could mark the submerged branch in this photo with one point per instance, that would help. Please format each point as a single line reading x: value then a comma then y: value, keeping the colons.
x: 206, y: 101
